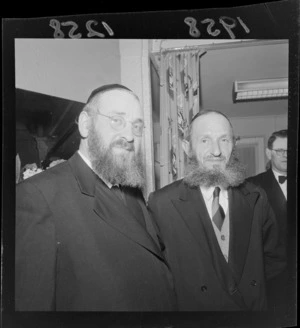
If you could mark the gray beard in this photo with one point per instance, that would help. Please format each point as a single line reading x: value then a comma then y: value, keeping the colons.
x: 117, y: 169
x: 232, y: 176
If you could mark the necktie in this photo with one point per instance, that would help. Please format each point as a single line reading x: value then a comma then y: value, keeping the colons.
x: 118, y: 192
x: 217, y: 210
x: 128, y: 197
x: 282, y: 178
x: 134, y: 206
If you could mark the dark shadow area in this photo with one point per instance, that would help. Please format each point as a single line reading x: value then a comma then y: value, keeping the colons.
x: 46, y: 128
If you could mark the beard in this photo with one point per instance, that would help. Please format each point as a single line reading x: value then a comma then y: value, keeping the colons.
x: 232, y: 175
x: 125, y: 169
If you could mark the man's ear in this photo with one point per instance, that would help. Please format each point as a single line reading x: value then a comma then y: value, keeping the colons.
x: 186, y: 147
x: 84, y: 122
x: 268, y: 153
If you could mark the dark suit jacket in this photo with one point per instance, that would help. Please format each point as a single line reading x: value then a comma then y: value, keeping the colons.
x: 203, y: 280
x: 277, y: 287
x: 267, y: 181
x: 79, y: 248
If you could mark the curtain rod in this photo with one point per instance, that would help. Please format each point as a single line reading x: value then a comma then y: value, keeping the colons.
x: 218, y: 46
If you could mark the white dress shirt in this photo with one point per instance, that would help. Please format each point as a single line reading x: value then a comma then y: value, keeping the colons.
x: 223, y: 235
x: 283, y: 186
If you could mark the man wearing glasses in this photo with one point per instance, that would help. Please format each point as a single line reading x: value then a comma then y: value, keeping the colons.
x: 274, y: 182
x: 84, y: 239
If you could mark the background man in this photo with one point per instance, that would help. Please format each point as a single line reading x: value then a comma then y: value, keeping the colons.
x: 274, y: 182
x: 220, y: 234
x: 81, y: 242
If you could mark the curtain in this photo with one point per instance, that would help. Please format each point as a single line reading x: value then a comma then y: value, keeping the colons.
x: 179, y: 102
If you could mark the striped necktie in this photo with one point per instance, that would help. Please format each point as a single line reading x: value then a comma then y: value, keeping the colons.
x: 217, y: 210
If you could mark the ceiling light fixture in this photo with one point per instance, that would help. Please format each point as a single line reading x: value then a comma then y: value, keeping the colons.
x: 265, y: 89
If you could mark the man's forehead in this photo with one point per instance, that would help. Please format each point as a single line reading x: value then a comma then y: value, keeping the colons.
x: 280, y: 141
x: 119, y: 102
x: 211, y: 122
x: 114, y: 94
x: 212, y: 117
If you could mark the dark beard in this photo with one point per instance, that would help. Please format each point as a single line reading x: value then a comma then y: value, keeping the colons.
x: 233, y: 175
x: 117, y: 169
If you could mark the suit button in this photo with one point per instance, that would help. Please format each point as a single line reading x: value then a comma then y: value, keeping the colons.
x: 203, y: 288
x: 253, y: 283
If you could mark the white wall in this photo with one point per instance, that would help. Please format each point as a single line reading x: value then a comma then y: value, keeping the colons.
x: 259, y: 126
x: 220, y: 68
x: 66, y: 68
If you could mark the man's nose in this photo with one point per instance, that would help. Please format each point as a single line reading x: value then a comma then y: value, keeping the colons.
x: 127, y: 132
x: 215, y: 148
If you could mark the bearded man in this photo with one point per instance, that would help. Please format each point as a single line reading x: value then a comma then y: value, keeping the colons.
x: 84, y: 239
x: 219, y: 232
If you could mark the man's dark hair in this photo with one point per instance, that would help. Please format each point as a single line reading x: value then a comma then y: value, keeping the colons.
x: 203, y: 112
x: 275, y: 135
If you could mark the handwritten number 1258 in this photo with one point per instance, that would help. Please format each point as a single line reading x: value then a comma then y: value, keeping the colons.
x: 58, y: 33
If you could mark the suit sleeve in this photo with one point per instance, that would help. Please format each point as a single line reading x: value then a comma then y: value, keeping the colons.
x: 274, y: 251
x: 35, y: 254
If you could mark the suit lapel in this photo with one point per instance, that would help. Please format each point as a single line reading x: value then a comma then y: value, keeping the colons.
x: 85, y: 177
x: 111, y: 209
x: 191, y: 207
x: 241, y: 205
x: 273, y: 189
x: 132, y: 196
x: 136, y: 205
x: 152, y: 230
x: 118, y: 216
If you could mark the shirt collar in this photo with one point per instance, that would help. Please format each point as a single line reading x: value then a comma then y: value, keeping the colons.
x: 208, y: 192
x: 89, y: 164
x: 277, y: 174
x: 87, y: 160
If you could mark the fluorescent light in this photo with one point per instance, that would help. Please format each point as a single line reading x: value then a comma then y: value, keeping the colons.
x: 260, y: 89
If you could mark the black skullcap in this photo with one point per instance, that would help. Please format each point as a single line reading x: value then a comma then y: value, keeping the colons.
x: 106, y: 87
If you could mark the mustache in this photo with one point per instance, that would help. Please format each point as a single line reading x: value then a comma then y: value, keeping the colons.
x: 123, y: 144
x: 214, y: 158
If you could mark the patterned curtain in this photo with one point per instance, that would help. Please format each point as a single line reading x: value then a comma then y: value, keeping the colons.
x: 179, y: 102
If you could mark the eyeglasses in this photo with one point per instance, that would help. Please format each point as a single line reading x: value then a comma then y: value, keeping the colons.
x: 118, y: 123
x: 280, y: 152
